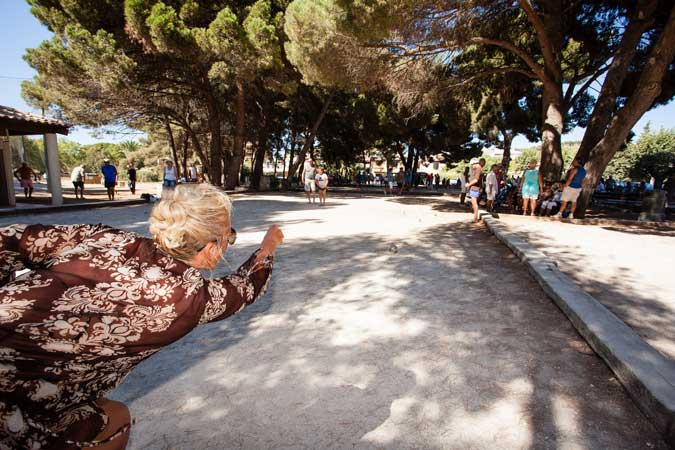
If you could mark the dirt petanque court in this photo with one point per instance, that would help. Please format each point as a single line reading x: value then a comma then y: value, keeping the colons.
x: 391, y: 323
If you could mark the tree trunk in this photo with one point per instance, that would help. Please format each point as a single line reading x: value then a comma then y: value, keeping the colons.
x: 234, y: 164
x: 416, y: 165
x: 197, y: 146
x: 647, y: 90
x: 551, y: 132
x: 410, y: 157
x: 215, y: 171
x: 275, y: 158
x: 605, y: 105
x: 548, y: 24
x: 399, y: 151
x: 506, y: 157
x: 309, y: 138
x: 259, y: 156
x: 172, y: 144
x: 186, y: 145
x: 283, y: 167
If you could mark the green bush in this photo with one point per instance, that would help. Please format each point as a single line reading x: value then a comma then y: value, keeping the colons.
x: 148, y: 174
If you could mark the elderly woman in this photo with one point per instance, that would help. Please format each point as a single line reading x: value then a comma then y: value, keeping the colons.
x: 98, y: 301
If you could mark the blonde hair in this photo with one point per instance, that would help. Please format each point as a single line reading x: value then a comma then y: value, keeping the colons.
x: 188, y: 217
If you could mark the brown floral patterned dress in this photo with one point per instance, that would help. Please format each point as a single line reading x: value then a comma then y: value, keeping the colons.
x: 96, y: 302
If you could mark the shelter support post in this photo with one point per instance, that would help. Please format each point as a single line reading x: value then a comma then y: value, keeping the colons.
x: 7, y: 197
x: 53, y: 169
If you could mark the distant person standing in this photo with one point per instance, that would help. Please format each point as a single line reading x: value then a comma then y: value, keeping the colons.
x: 169, y: 174
x: 321, y: 180
x: 463, y: 179
x: 531, y: 185
x: 492, y: 187
x: 308, y: 177
x: 109, y: 178
x: 192, y: 173
x: 390, y: 180
x: 400, y: 180
x: 475, y: 184
x: 25, y: 176
x: 77, y: 177
x: 572, y: 189
x: 131, y: 175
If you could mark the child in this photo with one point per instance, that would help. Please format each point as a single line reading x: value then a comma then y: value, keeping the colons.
x: 322, y: 185
x: 544, y: 198
x: 552, y: 202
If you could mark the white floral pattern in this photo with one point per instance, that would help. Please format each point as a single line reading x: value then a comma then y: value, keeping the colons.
x: 96, y: 302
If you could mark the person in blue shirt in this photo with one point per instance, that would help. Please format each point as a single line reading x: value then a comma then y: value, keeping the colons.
x: 109, y: 178
x: 570, y: 194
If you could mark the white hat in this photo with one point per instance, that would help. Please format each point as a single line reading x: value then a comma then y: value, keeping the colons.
x: 474, y: 161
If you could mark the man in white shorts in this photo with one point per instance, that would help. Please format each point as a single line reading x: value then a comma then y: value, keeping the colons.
x: 309, y: 175
x: 572, y: 189
x: 492, y: 187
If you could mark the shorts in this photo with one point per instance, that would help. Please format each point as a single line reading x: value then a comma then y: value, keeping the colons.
x: 310, y: 186
x: 170, y: 183
x: 391, y: 185
x: 78, y: 184
x: 491, y: 196
x: 474, y: 194
x: 27, y: 183
x: 530, y: 191
x: 549, y: 204
x: 570, y: 194
x: 109, y: 184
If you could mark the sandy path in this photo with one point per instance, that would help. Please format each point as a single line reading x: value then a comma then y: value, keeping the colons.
x: 441, y: 342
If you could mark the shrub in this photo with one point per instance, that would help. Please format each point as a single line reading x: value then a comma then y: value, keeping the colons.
x: 148, y: 174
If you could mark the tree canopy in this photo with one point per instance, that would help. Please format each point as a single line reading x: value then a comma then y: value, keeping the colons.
x: 412, y: 79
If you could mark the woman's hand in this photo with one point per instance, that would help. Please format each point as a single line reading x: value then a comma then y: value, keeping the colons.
x: 269, y: 244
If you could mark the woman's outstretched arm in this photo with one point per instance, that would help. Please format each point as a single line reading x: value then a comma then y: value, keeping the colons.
x: 229, y: 295
x: 233, y: 293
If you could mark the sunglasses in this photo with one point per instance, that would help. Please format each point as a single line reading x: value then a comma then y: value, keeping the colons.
x: 231, y: 239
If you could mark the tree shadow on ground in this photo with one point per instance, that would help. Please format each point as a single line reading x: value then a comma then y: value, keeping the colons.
x: 360, y: 344
x: 439, y: 204
x: 643, y: 229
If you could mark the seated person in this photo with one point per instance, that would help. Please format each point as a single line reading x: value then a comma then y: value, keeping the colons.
x: 552, y: 203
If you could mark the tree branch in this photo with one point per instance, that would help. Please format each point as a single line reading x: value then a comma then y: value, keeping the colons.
x: 493, y: 71
x: 540, y: 29
x: 570, y: 98
x: 531, y: 63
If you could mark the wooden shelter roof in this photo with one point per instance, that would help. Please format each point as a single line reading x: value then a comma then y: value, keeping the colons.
x: 19, y: 123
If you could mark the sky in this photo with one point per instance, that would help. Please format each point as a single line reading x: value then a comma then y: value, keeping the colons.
x: 20, y: 30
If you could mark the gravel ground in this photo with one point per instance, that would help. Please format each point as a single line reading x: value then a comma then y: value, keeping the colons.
x: 628, y: 268
x: 390, y: 324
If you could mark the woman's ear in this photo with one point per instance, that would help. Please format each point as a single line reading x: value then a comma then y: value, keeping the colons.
x: 208, y: 257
